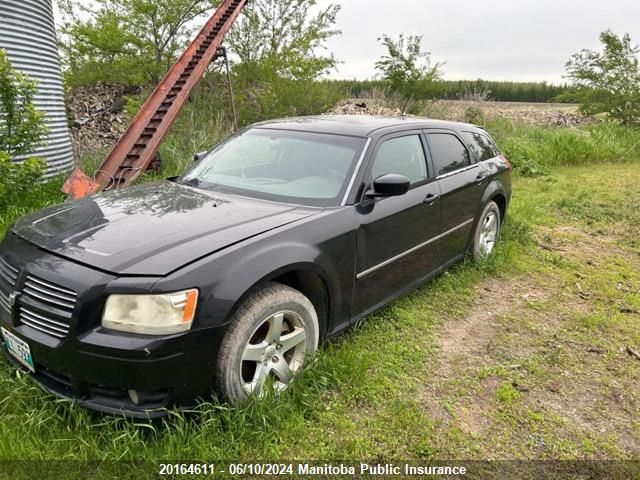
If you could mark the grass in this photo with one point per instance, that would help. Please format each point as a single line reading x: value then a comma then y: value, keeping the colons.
x: 41, y: 196
x: 445, y: 372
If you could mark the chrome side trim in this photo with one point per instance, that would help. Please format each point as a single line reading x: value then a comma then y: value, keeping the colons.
x: 464, y: 169
x: 410, y: 251
x: 355, y: 172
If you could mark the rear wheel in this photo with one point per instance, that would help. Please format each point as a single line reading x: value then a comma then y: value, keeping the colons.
x: 269, y: 339
x: 487, y: 231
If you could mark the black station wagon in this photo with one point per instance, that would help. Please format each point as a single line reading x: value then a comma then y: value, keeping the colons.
x: 226, y: 279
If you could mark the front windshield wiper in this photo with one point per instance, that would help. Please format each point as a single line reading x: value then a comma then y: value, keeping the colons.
x: 192, y: 182
x: 197, y: 183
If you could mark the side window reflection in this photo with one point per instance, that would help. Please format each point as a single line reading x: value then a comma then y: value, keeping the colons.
x: 449, y: 154
x: 402, y: 156
x: 481, y: 145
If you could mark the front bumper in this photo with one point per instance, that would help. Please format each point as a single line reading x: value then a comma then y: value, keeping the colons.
x: 55, y: 306
x: 102, y: 382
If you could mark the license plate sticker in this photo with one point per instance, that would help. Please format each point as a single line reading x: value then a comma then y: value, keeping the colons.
x: 19, y: 349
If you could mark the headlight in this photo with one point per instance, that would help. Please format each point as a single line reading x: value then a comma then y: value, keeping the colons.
x: 151, y: 314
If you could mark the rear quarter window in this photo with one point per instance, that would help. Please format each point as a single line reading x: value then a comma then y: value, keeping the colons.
x: 481, y: 145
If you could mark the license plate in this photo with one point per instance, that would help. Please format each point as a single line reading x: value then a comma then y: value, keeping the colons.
x: 18, y: 349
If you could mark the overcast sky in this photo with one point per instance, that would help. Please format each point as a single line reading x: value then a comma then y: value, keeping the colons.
x: 496, y: 40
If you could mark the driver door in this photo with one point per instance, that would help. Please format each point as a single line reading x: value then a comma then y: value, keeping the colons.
x: 393, y: 249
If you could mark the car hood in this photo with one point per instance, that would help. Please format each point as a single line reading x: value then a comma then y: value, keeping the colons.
x: 152, y: 229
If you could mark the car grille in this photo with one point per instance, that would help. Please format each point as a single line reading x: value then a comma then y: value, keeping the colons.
x: 8, y: 278
x: 47, y: 307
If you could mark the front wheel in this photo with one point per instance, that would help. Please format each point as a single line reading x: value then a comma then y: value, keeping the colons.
x: 270, y: 337
x: 487, y: 231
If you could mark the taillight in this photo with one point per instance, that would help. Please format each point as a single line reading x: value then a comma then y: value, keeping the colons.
x: 506, y: 160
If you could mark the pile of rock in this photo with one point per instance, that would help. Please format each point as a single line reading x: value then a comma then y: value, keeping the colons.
x: 568, y: 119
x: 363, y: 108
x: 547, y: 114
x: 534, y: 116
x: 97, y: 117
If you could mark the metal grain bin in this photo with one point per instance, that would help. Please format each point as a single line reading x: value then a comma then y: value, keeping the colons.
x: 27, y: 33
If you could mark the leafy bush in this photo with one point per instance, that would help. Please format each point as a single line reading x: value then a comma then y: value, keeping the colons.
x: 283, y: 97
x: 129, y: 42
x: 536, y: 150
x: 21, y: 128
x: 21, y: 125
x: 17, y: 180
x: 285, y: 38
x: 407, y: 69
x: 608, y: 81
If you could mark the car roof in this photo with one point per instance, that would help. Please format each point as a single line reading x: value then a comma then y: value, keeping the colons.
x: 359, y: 125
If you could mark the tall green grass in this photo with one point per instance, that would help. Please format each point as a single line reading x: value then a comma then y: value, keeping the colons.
x: 40, y: 195
x: 538, y: 150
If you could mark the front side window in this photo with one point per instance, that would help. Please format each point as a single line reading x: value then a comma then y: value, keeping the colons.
x: 481, y: 145
x: 402, y: 156
x: 449, y: 154
x: 281, y: 165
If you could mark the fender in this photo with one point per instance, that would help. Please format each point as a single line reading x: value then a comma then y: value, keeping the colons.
x: 494, y: 188
x: 268, y: 264
x: 229, y: 276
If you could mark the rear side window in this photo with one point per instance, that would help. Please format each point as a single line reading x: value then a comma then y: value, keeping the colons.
x: 402, y: 156
x: 449, y: 153
x: 481, y: 145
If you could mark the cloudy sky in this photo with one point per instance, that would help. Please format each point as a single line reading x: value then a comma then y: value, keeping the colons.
x: 496, y: 40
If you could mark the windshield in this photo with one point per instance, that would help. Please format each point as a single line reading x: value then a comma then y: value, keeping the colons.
x: 282, y: 165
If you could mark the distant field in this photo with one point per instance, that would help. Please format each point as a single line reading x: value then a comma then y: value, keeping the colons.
x: 540, y: 114
x: 530, y: 113
x: 519, y: 106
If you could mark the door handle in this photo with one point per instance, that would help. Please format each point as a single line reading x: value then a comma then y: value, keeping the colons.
x: 482, y: 177
x: 431, y: 199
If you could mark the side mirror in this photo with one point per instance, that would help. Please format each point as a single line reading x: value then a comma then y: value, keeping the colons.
x: 199, y: 156
x: 390, y: 185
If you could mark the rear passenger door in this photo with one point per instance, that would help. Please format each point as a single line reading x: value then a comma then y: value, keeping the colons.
x: 462, y: 183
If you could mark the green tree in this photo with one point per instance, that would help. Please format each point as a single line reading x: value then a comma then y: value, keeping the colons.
x: 407, y: 69
x: 130, y: 42
x: 279, y: 51
x: 21, y: 130
x: 608, y: 81
x: 285, y: 38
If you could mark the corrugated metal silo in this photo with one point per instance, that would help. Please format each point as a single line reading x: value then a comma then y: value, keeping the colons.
x: 27, y: 33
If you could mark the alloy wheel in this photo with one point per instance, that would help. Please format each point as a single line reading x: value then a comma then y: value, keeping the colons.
x: 275, y: 352
x: 488, y: 234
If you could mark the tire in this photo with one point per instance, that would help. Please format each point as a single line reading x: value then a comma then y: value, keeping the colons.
x: 269, y: 339
x: 487, y: 232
